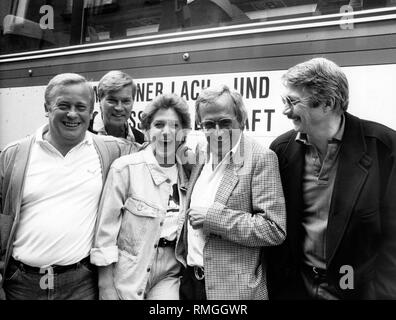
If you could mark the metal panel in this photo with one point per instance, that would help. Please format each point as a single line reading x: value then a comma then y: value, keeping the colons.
x: 380, y: 49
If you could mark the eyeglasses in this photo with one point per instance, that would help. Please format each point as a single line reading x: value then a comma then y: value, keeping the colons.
x: 292, y: 102
x: 289, y: 101
x: 225, y: 123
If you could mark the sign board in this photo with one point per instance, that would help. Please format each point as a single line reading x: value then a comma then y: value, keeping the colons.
x: 371, y: 97
x: 259, y: 90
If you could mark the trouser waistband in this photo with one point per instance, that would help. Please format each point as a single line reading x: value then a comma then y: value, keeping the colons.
x: 55, y: 268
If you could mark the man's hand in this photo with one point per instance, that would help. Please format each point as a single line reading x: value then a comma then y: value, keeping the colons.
x: 185, y: 155
x: 197, y: 216
x: 107, y: 290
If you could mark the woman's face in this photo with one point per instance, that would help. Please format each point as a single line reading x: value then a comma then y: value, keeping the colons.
x: 165, y: 135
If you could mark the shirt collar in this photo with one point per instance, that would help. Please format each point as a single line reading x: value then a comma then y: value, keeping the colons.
x: 155, y: 170
x: 44, y: 129
x: 303, y: 138
x: 101, y: 130
x: 228, y: 155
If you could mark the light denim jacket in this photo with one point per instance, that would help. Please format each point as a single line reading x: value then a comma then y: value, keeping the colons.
x: 131, y: 214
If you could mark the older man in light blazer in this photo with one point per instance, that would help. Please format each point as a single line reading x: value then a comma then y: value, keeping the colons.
x: 235, y: 206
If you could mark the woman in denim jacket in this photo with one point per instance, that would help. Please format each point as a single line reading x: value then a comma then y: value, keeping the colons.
x: 134, y: 244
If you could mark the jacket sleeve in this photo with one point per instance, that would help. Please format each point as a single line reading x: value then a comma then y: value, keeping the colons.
x: 105, y: 250
x: 7, y: 159
x: 266, y: 224
x: 386, y: 259
x: 2, y: 169
x: 2, y: 294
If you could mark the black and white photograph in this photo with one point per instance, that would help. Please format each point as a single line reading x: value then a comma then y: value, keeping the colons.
x: 198, y: 156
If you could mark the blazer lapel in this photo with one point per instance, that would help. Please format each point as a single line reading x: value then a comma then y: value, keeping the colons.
x: 228, y: 183
x: 292, y: 168
x: 182, y: 221
x: 230, y: 178
x: 196, y: 171
x: 353, y: 164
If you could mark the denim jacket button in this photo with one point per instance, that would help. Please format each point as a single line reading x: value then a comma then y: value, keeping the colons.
x: 148, y: 269
x: 140, y: 207
x: 140, y: 292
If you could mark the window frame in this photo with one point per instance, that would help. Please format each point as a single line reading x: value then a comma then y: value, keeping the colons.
x: 355, y: 17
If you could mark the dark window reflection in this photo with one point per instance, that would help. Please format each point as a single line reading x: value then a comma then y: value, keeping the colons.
x: 90, y: 21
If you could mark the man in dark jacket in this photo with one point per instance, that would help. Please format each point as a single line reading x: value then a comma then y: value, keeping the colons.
x: 339, y: 179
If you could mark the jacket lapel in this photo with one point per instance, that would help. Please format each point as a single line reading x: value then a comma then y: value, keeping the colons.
x: 292, y: 168
x: 353, y: 164
x: 181, y: 251
x: 196, y: 171
x: 230, y: 178
x: 183, y: 179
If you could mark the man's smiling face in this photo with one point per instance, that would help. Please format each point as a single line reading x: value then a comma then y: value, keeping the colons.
x: 117, y: 107
x: 69, y: 112
x: 298, y: 108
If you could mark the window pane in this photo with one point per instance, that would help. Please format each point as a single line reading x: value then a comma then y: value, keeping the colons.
x: 29, y: 25
x: 25, y: 28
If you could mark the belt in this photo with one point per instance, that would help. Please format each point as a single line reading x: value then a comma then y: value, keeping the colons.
x: 56, y: 269
x: 166, y: 243
x: 199, y: 272
x: 315, y: 272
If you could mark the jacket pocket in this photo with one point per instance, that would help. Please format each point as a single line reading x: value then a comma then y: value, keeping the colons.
x: 251, y: 286
x: 140, y: 208
x: 138, y: 226
x: 366, y: 213
x: 5, y: 229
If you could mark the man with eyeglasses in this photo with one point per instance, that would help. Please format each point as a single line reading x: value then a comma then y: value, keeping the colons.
x: 235, y: 206
x: 116, y: 92
x: 339, y: 180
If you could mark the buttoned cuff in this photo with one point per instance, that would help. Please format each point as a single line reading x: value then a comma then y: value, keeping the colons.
x: 104, y: 256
